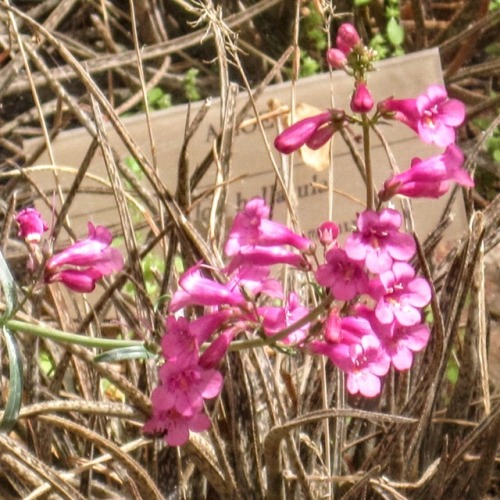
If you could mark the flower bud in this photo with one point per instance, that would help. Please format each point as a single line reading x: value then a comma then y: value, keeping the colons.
x: 347, y: 38
x: 327, y: 233
x: 336, y: 58
x: 295, y: 136
x: 31, y: 225
x: 362, y: 100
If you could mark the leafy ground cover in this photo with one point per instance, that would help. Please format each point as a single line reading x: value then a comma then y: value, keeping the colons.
x: 283, y: 425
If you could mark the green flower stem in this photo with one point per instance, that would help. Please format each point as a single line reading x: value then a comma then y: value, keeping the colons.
x: 368, y: 162
x: 239, y: 345
x: 68, y: 338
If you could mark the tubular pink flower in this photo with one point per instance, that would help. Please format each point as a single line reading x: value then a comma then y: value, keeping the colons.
x: 252, y: 227
x: 80, y: 265
x: 186, y: 384
x: 170, y: 423
x: 429, y: 178
x: 400, y: 295
x: 255, y: 280
x: 31, y: 225
x: 364, y: 362
x: 314, y: 132
x: 362, y: 100
x: 266, y: 256
x: 217, y: 349
x: 195, y: 289
x: 432, y: 115
x: 378, y: 241
x: 345, y: 277
x: 347, y: 329
x: 336, y: 58
x: 78, y: 280
x: 399, y: 342
x: 347, y: 38
x: 93, y: 252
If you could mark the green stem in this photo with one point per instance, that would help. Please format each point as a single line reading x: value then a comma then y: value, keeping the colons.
x: 368, y: 162
x: 69, y: 338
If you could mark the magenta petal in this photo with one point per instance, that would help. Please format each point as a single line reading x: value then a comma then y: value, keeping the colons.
x: 402, y: 359
x: 407, y: 316
x: 402, y: 246
x: 178, y: 432
x: 384, y: 312
x: 420, y: 292
x: 416, y: 337
x: 213, y: 384
x: 453, y: 113
x: 378, y: 262
x: 199, y: 423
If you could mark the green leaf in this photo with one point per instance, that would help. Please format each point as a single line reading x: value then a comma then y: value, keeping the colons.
x: 122, y: 353
x: 361, y: 3
x: 8, y: 287
x: 395, y: 32
x: 15, y: 382
x: 154, y: 95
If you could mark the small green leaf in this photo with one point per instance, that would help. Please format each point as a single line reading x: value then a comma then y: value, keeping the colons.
x: 15, y: 383
x: 123, y: 353
x: 361, y: 3
x: 395, y: 32
x: 154, y: 95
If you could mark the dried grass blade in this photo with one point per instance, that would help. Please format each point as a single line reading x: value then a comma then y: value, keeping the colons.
x: 60, y: 486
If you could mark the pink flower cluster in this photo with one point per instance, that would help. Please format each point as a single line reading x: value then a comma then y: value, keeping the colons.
x: 384, y: 324
x: 249, y: 301
x: 372, y: 317
x: 80, y: 265
x: 432, y: 115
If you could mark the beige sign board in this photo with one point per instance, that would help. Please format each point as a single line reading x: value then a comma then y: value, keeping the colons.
x: 401, y: 77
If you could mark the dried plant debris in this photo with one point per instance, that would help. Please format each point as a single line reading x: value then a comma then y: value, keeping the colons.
x: 283, y: 426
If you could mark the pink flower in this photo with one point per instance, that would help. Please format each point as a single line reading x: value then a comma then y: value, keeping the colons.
x: 78, y: 280
x: 378, y: 241
x: 432, y: 115
x: 347, y: 329
x: 327, y: 233
x: 255, y: 280
x: 218, y: 348
x: 178, y: 340
x: 172, y: 424
x: 345, y: 277
x: 336, y: 58
x: 31, y: 225
x: 195, y: 289
x: 400, y: 295
x: 403, y: 342
x: 266, y: 256
x: 314, y: 132
x: 94, y: 251
x: 399, y: 342
x: 347, y: 38
x: 252, y: 227
x: 362, y: 100
x: 185, y: 384
x: 363, y: 361
x: 275, y: 319
x: 429, y: 178
x: 80, y: 265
